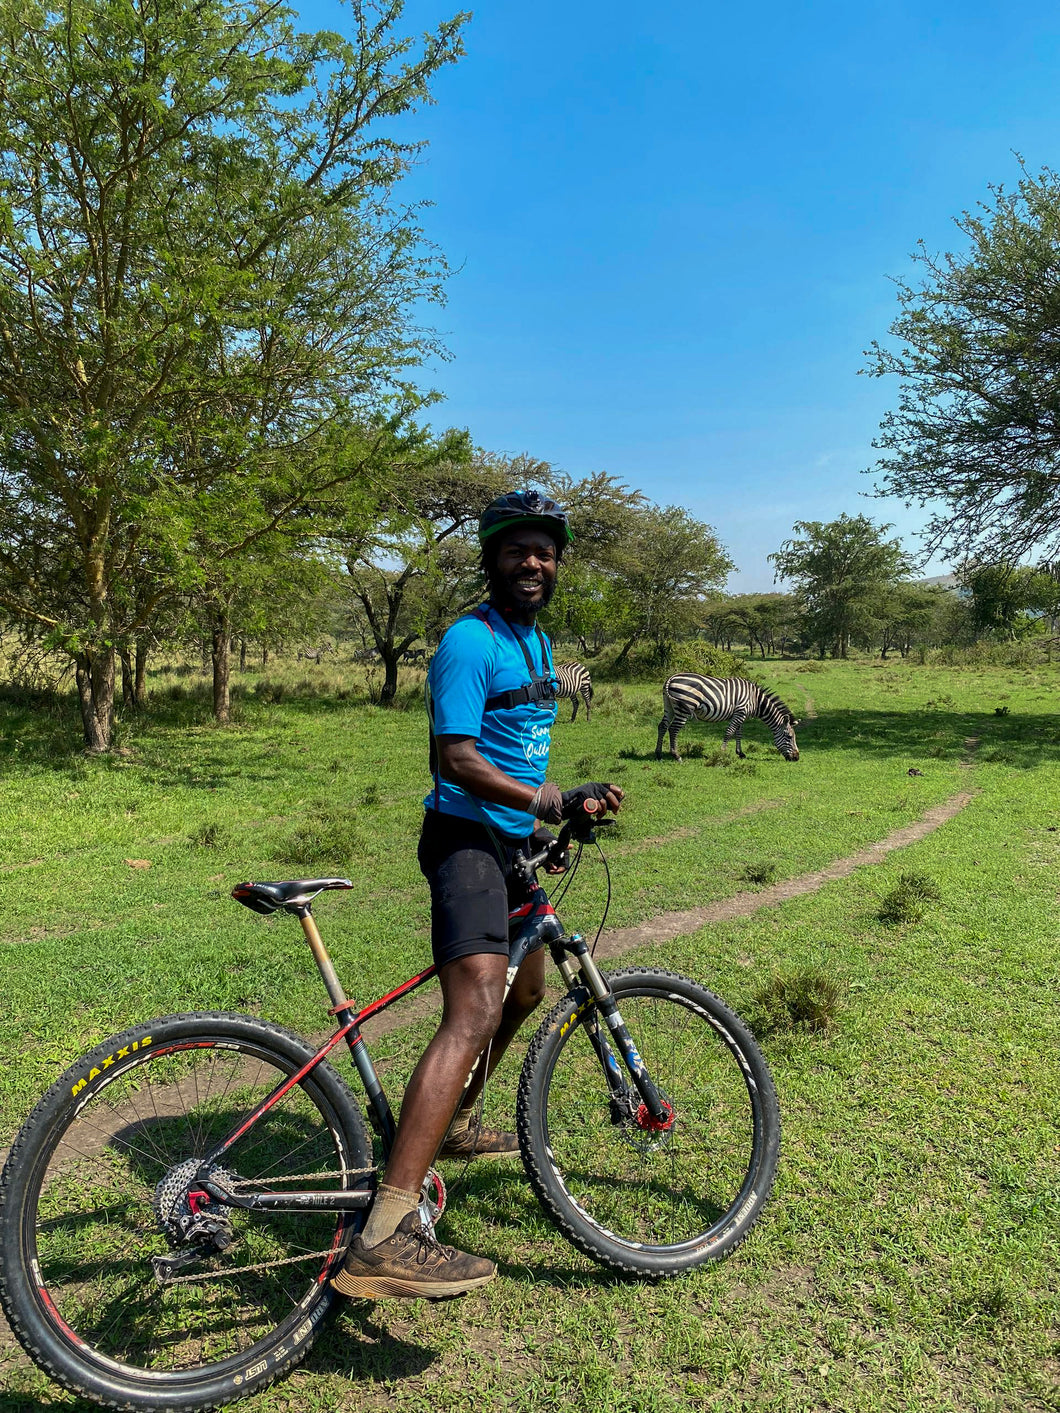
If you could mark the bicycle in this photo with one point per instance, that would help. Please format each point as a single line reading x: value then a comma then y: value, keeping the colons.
x: 172, y: 1210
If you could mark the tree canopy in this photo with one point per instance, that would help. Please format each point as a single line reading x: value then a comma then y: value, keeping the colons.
x: 204, y: 285
x: 839, y: 569
x: 975, y: 434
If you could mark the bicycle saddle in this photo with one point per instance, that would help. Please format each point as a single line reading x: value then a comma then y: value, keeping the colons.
x: 297, y: 893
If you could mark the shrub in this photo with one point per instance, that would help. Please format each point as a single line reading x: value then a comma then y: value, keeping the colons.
x: 909, y: 899
x: 329, y: 842
x: 720, y: 757
x: 697, y: 656
x: 805, y: 1001
x: 759, y: 873
x: 813, y: 665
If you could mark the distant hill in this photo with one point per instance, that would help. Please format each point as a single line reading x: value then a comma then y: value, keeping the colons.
x: 940, y: 581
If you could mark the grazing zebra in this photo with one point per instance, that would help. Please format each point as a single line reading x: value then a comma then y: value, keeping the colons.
x: 731, y: 699
x: 574, y: 682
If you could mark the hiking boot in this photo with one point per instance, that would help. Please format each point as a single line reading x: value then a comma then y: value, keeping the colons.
x: 411, y: 1263
x: 480, y: 1142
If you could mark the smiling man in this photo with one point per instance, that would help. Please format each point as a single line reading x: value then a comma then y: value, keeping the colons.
x: 493, y: 702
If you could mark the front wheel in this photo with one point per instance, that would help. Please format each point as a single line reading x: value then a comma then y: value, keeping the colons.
x: 636, y: 1196
x: 97, y: 1192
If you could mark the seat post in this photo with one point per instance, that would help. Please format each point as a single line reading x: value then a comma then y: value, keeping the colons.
x: 320, y: 955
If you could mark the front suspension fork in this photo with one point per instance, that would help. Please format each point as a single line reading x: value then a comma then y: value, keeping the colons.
x: 575, y: 963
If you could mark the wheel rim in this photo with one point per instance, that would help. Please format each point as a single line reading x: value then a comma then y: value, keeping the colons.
x: 107, y: 1187
x: 683, y: 1186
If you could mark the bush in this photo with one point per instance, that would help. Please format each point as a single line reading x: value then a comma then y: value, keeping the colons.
x: 708, y: 661
x: 813, y: 665
x: 909, y: 899
x: 327, y: 844
x: 647, y: 664
x: 760, y: 873
x: 802, y: 1001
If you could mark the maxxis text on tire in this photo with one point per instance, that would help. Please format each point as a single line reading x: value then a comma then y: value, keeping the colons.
x: 89, y: 1186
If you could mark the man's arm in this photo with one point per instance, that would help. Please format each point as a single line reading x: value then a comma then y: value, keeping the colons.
x: 460, y: 763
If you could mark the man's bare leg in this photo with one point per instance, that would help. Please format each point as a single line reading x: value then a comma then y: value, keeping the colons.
x: 472, y: 1016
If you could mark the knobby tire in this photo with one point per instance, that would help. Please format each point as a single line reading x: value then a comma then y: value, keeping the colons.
x: 639, y: 1200
x: 80, y: 1203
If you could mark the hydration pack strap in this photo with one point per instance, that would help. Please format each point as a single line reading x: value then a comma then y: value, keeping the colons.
x: 540, y: 688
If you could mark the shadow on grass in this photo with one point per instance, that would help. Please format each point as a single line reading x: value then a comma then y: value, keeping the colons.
x: 353, y: 1344
x: 43, y: 728
x: 917, y: 737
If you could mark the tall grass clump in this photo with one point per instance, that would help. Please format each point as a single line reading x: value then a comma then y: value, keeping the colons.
x: 799, y: 1002
x: 327, y: 843
x: 909, y: 899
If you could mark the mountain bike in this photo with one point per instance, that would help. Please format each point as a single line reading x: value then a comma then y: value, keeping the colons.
x: 174, y: 1207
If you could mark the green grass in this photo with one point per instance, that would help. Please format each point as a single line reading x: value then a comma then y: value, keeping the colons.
x: 909, y: 1260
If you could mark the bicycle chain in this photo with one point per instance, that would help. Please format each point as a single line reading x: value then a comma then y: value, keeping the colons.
x: 283, y: 1261
x: 302, y: 1177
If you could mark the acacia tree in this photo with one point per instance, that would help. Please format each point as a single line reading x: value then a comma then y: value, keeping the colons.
x: 839, y: 569
x: 201, y: 278
x: 975, y: 434
x: 589, y: 604
x: 667, y: 569
x: 1009, y: 600
x: 418, y: 553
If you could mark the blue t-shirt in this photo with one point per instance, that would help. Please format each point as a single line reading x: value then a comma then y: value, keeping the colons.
x: 471, y: 664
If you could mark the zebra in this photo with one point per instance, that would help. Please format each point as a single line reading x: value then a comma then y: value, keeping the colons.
x: 573, y: 681
x: 731, y: 699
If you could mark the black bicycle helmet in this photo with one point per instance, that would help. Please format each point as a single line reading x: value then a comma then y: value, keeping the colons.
x: 525, y: 508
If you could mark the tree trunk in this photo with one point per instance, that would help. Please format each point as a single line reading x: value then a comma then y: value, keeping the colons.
x: 221, y: 668
x: 390, y: 663
x: 128, y: 691
x: 621, y: 659
x: 264, y: 656
x: 242, y: 654
x: 140, y: 673
x: 95, y: 691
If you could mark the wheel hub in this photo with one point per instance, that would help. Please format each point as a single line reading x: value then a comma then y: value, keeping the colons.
x: 186, y: 1213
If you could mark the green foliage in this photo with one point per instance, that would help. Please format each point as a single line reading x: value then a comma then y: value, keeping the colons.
x: 208, y: 303
x: 909, y: 899
x: 695, y: 655
x: 804, y: 1001
x: 840, y: 570
x: 759, y: 874
x: 972, y: 436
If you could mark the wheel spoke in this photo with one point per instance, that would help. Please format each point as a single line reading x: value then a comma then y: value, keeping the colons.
x: 113, y: 1194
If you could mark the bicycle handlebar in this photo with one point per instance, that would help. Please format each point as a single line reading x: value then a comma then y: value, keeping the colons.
x: 580, y: 828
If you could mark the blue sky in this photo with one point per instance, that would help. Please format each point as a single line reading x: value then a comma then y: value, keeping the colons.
x: 674, y: 233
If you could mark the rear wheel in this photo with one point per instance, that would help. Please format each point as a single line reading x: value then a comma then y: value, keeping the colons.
x: 634, y: 1195
x: 95, y: 1190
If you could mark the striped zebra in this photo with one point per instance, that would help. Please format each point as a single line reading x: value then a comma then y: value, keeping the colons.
x: 731, y: 699
x: 573, y: 681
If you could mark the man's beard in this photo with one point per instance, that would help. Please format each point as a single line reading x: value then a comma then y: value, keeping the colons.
x: 502, y: 595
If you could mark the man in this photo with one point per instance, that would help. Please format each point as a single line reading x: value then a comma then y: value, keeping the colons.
x: 490, y: 728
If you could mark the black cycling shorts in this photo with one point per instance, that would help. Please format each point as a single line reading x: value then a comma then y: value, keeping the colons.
x: 473, y: 887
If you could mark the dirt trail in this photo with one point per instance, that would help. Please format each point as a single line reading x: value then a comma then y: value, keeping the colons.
x: 667, y: 926
x: 671, y: 925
